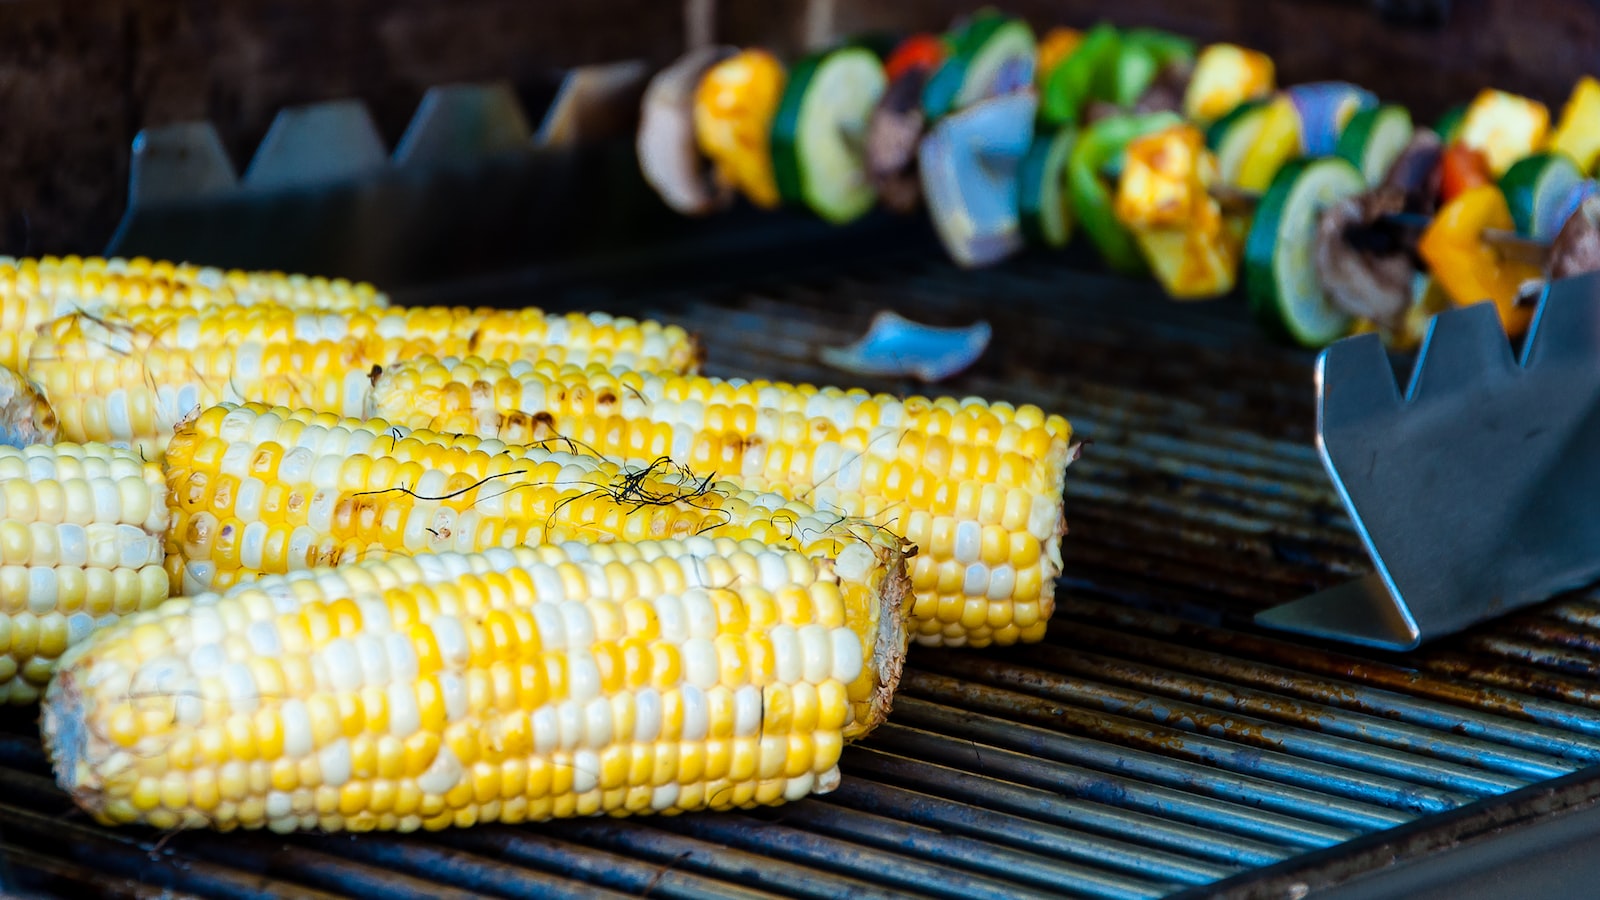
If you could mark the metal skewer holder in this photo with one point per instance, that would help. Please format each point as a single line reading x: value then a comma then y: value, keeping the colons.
x: 1478, y: 491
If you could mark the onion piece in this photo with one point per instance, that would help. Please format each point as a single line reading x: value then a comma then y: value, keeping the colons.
x: 1576, y: 250
x: 893, y: 132
x: 669, y: 156
x: 1549, y: 222
x: 969, y: 164
x: 1324, y: 108
x: 895, y: 346
x: 1415, y: 173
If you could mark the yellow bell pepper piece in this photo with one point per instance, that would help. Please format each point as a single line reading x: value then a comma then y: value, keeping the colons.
x: 1054, y: 48
x: 1469, y: 269
x: 1504, y: 128
x: 1163, y: 198
x: 733, y: 110
x: 1226, y: 75
x: 1276, y: 144
x: 1578, y: 135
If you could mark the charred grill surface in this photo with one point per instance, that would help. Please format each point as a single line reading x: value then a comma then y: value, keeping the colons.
x: 1155, y: 743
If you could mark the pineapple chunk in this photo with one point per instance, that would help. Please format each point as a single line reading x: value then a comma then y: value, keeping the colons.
x: 1504, y: 128
x: 1578, y: 135
x: 1159, y: 176
x: 1226, y: 75
x: 1163, y: 197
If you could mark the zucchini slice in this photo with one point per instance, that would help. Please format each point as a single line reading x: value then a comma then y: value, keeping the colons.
x: 1041, y: 189
x: 1281, y: 278
x: 1539, y: 190
x: 993, y: 55
x: 819, y: 133
x: 1374, y: 139
x: 1232, y: 136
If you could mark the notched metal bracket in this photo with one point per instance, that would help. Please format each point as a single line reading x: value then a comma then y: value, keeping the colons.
x: 471, y: 179
x: 1477, y: 492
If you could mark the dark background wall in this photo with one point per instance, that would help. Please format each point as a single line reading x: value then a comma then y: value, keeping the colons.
x: 79, y: 79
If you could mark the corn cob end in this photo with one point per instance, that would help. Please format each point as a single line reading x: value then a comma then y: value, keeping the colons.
x: 25, y: 417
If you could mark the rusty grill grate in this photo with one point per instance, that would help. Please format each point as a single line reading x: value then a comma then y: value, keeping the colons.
x: 1153, y: 744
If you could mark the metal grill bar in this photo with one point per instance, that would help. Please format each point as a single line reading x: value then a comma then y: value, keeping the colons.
x: 1156, y: 680
x: 1009, y: 787
x: 1455, y: 782
x: 1118, y: 792
x: 476, y: 872
x: 1142, y: 862
x: 1506, y: 703
x: 67, y: 880
x: 130, y: 857
x: 690, y: 853
x: 1543, y: 741
x: 1235, y: 755
x: 1348, y: 816
x: 922, y: 875
x: 979, y: 856
x: 627, y: 875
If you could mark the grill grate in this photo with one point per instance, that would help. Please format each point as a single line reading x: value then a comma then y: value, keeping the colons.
x: 1153, y: 743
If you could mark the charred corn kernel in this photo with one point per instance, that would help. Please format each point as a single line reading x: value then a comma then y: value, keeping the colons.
x: 82, y: 533
x: 936, y: 472
x: 25, y: 417
x: 130, y: 380
x: 133, y: 740
x: 36, y: 291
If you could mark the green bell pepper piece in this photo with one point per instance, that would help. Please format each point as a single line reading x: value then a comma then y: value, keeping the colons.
x: 1079, y: 78
x: 1144, y: 53
x: 1099, y: 146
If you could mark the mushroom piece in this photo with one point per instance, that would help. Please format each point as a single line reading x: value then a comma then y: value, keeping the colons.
x: 1165, y: 93
x: 893, y: 132
x: 1362, y: 263
x: 669, y: 156
x: 1576, y: 250
x: 1415, y: 172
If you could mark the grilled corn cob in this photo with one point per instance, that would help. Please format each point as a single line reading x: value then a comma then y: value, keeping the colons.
x: 512, y: 685
x: 976, y: 486
x: 129, y: 381
x: 262, y: 491
x: 35, y: 291
x: 81, y: 535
